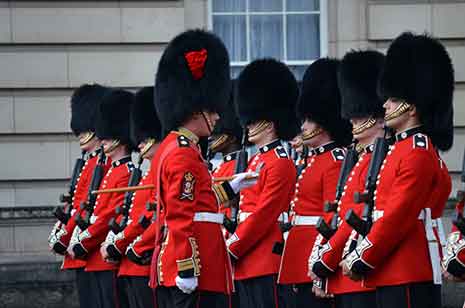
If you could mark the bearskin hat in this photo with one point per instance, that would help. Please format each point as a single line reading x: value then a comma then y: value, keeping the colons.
x: 320, y: 101
x: 419, y: 70
x: 193, y: 75
x: 229, y: 123
x: 113, y: 116
x: 358, y: 76
x: 84, y: 103
x: 144, y: 118
x: 267, y: 90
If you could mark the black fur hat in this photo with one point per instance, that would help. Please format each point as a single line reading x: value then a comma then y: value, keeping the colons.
x: 229, y: 122
x: 419, y: 70
x: 144, y: 119
x: 267, y: 90
x: 193, y: 75
x: 358, y: 76
x: 320, y: 101
x: 84, y: 103
x: 113, y: 116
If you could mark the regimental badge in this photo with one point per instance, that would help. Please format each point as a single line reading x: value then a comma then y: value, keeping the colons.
x: 187, y: 189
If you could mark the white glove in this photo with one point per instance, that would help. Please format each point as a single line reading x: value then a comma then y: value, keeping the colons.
x: 243, y: 180
x: 187, y: 285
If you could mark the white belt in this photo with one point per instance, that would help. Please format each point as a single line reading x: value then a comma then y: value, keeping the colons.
x: 300, y: 220
x: 216, y: 218
x: 283, y: 217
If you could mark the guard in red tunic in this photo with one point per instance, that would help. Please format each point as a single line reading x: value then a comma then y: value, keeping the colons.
x: 113, y: 129
x: 400, y: 255
x: 133, y: 277
x: 266, y: 98
x: 84, y: 103
x: 358, y: 76
x: 191, y: 267
x: 326, y: 134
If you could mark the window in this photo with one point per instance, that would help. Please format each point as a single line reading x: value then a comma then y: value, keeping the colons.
x: 293, y: 31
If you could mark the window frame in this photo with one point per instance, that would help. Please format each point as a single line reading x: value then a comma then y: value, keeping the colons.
x: 323, y: 12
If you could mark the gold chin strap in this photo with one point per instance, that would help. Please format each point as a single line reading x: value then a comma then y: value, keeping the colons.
x: 400, y: 110
x: 148, y: 145
x: 260, y: 127
x: 219, y: 142
x: 112, y: 147
x: 309, y: 135
x: 364, y: 126
x: 88, y: 136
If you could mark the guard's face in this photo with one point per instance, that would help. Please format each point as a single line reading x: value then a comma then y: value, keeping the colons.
x: 207, y: 126
x: 311, y: 128
x: 365, y: 136
x: 150, y: 152
x: 109, y: 146
x: 297, y: 143
x: 391, y: 105
x: 88, y: 141
x: 259, y: 130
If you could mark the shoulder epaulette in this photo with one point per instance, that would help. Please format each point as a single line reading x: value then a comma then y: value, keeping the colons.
x: 281, y: 152
x: 338, y: 154
x: 420, y: 141
x: 183, y: 141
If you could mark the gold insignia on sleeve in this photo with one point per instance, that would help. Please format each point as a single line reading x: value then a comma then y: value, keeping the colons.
x: 187, y: 189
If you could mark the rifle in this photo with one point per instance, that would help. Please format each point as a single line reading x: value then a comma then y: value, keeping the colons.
x: 459, y: 220
x: 123, y: 210
x: 209, y: 156
x: 363, y: 225
x: 304, y: 157
x: 230, y: 224
x: 63, y: 214
x: 327, y: 231
x: 88, y: 206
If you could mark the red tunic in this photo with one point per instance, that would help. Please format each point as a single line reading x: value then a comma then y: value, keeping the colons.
x: 80, y: 195
x: 410, y: 181
x: 260, y: 206
x: 105, y: 205
x: 333, y: 251
x: 134, y: 229
x: 189, y: 247
x: 316, y: 184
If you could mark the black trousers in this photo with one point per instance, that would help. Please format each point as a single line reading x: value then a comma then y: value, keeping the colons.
x: 304, y: 297
x: 84, y: 287
x: 104, y: 290
x: 414, y: 295
x: 260, y: 292
x: 356, y: 300
x: 173, y: 297
x: 137, y: 291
